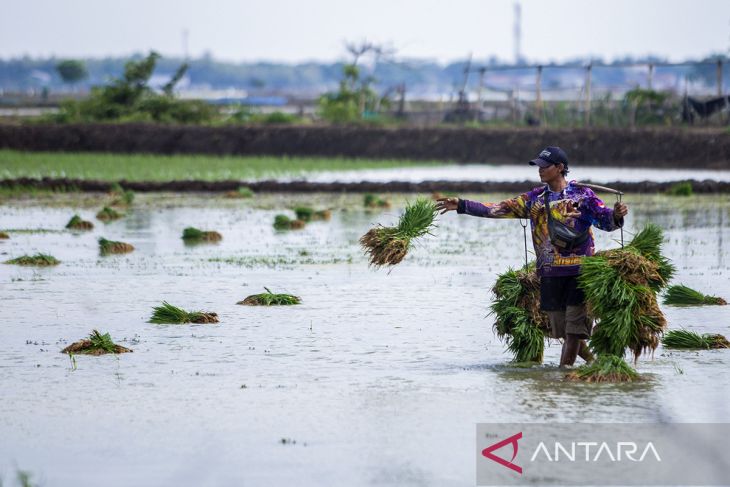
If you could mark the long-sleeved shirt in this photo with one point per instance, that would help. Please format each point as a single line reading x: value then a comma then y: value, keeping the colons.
x: 551, y: 260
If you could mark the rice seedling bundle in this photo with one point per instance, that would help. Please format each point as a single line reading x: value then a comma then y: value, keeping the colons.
x: 685, y: 339
x: 108, y: 214
x: 270, y: 299
x: 192, y: 234
x: 40, y: 260
x: 372, y: 201
x: 169, y: 314
x: 111, y: 247
x: 518, y: 319
x: 680, y: 295
x: 389, y: 245
x: 121, y: 196
x: 4, y: 236
x: 242, y: 192
x: 76, y: 223
x: 283, y: 222
x: 683, y: 188
x: 307, y: 214
x: 606, y: 368
x: 96, y: 344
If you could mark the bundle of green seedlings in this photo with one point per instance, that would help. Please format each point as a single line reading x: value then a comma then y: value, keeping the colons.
x: 121, y: 196
x: 4, y: 236
x: 389, y: 245
x: 685, y: 339
x: 681, y: 295
x: 518, y: 319
x: 270, y: 299
x: 108, y: 214
x: 96, y: 344
x: 242, y: 192
x: 683, y: 188
x: 308, y: 214
x: 193, y: 235
x: 169, y: 314
x: 620, y: 287
x: 372, y: 201
x: 76, y: 223
x: 40, y: 260
x: 107, y: 247
x: 283, y: 222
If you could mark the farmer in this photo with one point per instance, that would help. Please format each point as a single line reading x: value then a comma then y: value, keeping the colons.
x: 561, y: 239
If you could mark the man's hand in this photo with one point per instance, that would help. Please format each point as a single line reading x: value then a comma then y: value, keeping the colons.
x: 620, y: 210
x: 445, y: 205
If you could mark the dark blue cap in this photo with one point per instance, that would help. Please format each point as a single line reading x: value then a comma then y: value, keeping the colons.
x: 550, y: 155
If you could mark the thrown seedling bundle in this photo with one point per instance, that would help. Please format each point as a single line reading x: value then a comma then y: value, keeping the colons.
x: 620, y: 286
x: 519, y: 321
x: 308, y: 214
x: 4, y: 236
x: 96, y: 344
x: 283, y: 222
x: 193, y: 235
x: 681, y: 295
x: 121, y: 196
x: 270, y: 299
x: 242, y: 192
x: 76, y: 223
x: 39, y: 260
x: 169, y: 314
x: 685, y: 339
x: 107, y: 247
x: 389, y: 245
x: 372, y: 201
x: 108, y: 214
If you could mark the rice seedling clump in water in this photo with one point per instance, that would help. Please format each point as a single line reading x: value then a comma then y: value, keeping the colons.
x: 389, y: 245
x: 76, y: 223
x: 685, y: 339
x: 194, y: 235
x: 169, y: 314
x: 4, y: 236
x: 307, y: 214
x: 681, y: 295
x: 110, y: 247
x: 270, y: 299
x: 40, y: 260
x: 121, y: 196
x: 519, y: 321
x: 283, y: 222
x: 372, y: 201
x: 606, y: 368
x: 108, y: 214
x: 242, y: 192
x: 96, y: 344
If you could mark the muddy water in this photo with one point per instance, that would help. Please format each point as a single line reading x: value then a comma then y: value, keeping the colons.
x: 376, y: 379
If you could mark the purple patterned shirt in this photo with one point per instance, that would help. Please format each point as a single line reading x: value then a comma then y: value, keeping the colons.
x: 551, y: 260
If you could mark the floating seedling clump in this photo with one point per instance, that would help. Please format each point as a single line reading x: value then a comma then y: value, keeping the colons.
x: 372, y: 201
x: 606, y: 368
x: 40, y: 260
x: 242, y: 192
x: 519, y: 321
x: 121, y: 196
x: 169, y: 314
x: 389, y: 245
x: 685, y: 339
x: 4, y: 236
x: 96, y: 344
x: 270, y: 299
x: 193, y: 235
x: 307, y: 214
x: 680, y: 295
x: 107, y: 247
x: 283, y: 222
x: 76, y: 223
x: 108, y: 214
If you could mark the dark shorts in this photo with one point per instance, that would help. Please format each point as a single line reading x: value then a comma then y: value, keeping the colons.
x: 557, y: 293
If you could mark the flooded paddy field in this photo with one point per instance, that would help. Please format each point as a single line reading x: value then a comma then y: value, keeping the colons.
x: 377, y: 378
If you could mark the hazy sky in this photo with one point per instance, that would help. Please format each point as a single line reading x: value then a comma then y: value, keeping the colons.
x: 299, y: 30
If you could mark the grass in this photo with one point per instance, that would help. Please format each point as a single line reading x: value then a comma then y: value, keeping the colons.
x: 685, y: 339
x: 146, y: 167
x: 389, y: 245
x: 373, y: 201
x: 107, y: 247
x: 40, y: 260
x: 680, y: 189
x: 95, y: 344
x: 194, y: 235
x: 606, y: 368
x: 108, y: 214
x: 283, y: 222
x: 271, y: 299
x: 681, y: 295
x: 76, y: 223
x: 169, y: 314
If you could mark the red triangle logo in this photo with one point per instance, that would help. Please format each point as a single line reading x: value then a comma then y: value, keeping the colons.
x: 487, y: 452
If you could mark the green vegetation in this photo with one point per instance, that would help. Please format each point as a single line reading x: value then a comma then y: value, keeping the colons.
x: 242, y: 192
x: 169, y: 314
x: 39, y: 260
x: 108, y: 214
x: 372, y: 201
x: 681, y: 295
x: 270, y: 299
x: 76, y: 223
x: 4, y: 236
x: 389, y: 245
x: 519, y: 321
x: 680, y: 189
x: 107, y: 247
x: 307, y: 214
x: 95, y: 344
x: 146, y: 167
x: 72, y: 71
x: 194, y: 235
x: 121, y: 196
x: 283, y: 222
x: 606, y: 368
x: 685, y: 339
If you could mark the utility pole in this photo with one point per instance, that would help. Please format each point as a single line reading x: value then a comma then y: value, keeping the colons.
x: 587, y: 109
x: 538, y: 94
x: 651, y: 76
x: 719, y: 77
x: 482, y: 71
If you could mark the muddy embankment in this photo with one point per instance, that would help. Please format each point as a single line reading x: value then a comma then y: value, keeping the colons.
x: 60, y: 184
x: 670, y: 148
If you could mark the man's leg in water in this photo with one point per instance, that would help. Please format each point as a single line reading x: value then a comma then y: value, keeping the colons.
x: 577, y: 329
